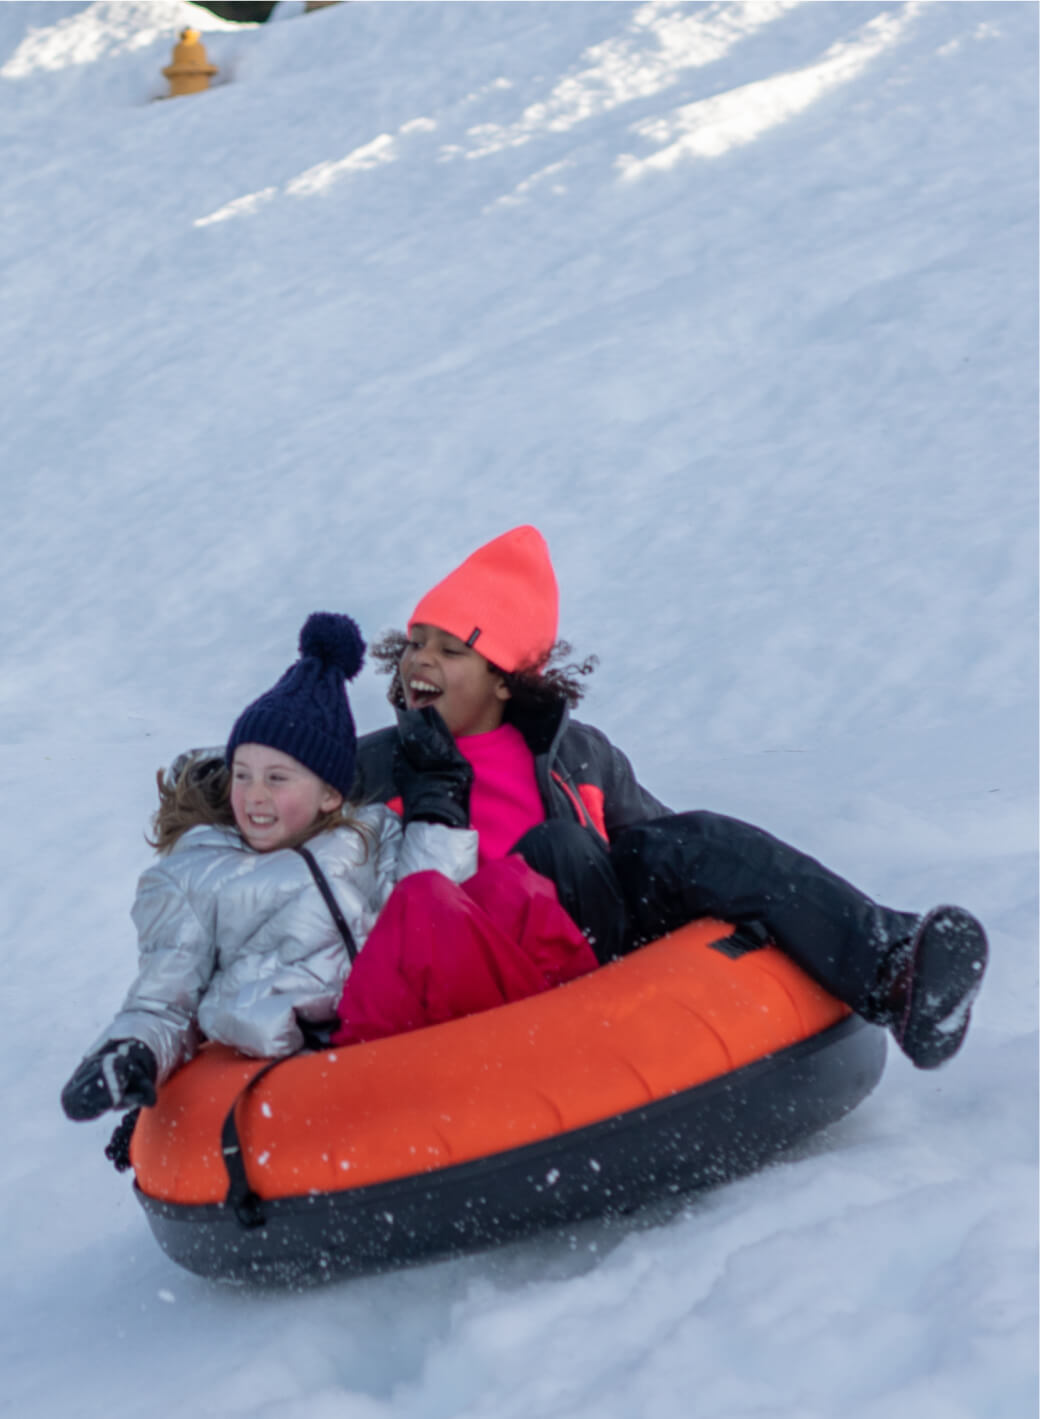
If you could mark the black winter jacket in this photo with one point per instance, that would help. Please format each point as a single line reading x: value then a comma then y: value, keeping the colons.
x: 580, y: 774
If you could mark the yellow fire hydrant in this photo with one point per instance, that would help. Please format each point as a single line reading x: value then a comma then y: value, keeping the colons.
x: 189, y: 71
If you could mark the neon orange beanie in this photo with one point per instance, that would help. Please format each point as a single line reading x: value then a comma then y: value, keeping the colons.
x: 502, y: 600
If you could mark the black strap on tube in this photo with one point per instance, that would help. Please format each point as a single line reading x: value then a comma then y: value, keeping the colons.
x: 243, y: 1201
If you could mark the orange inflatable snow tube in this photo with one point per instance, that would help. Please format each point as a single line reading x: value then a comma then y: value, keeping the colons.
x: 519, y: 1082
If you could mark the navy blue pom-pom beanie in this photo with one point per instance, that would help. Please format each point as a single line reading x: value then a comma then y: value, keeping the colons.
x: 307, y: 714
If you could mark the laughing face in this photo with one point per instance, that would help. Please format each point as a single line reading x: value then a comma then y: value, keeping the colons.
x: 274, y: 798
x: 438, y: 669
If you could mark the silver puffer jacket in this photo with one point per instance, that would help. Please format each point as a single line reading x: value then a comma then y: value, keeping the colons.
x: 239, y: 943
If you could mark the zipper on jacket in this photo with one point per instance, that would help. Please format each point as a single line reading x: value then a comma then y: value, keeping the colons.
x: 573, y: 799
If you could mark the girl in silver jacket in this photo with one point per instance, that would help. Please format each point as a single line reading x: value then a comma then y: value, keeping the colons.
x: 237, y: 941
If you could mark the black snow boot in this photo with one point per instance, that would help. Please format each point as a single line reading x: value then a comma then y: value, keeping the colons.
x: 929, y: 985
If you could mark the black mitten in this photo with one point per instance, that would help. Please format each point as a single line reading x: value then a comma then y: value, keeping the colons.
x: 430, y: 774
x: 121, y: 1074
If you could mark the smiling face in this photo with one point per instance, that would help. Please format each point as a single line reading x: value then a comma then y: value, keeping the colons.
x: 439, y: 669
x: 274, y: 798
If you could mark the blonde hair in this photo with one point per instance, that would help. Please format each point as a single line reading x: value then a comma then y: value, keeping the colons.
x: 196, y: 792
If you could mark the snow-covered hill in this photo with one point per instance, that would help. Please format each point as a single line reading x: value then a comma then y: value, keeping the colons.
x: 737, y: 302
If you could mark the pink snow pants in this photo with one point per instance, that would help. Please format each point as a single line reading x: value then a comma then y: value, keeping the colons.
x: 441, y: 950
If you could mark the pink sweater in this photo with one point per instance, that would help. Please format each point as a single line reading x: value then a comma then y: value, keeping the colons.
x: 504, y: 801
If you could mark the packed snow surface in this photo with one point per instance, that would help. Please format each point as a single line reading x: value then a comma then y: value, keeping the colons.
x: 737, y: 303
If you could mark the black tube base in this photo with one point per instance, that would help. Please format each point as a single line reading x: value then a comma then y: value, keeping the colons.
x: 685, y: 1143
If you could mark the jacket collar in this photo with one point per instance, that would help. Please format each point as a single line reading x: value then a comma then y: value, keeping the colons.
x: 542, y: 728
x: 210, y: 836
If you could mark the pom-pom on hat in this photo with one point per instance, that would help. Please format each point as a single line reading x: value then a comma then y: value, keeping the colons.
x: 502, y: 601
x: 307, y: 714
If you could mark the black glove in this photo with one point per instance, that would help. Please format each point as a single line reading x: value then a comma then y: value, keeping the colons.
x: 121, y: 1074
x: 430, y: 774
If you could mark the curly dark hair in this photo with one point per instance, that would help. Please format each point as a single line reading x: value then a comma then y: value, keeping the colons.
x: 553, y: 683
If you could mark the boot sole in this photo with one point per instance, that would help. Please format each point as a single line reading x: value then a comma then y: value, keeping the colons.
x: 950, y: 954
